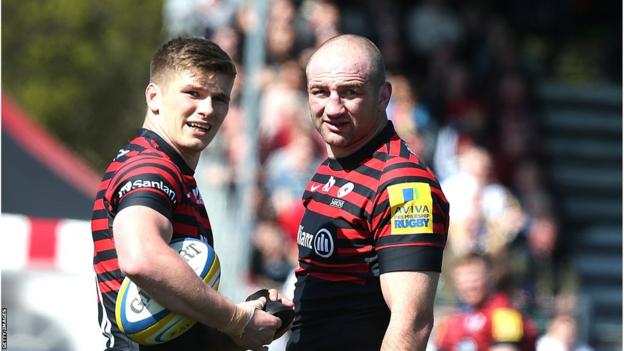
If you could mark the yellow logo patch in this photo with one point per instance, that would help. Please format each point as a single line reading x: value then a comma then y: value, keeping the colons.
x: 411, y: 208
x: 507, y: 325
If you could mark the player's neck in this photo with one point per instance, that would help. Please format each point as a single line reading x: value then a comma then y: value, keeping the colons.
x: 191, y: 159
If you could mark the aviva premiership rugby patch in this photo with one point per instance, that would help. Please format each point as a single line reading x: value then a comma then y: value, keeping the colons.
x: 411, y: 208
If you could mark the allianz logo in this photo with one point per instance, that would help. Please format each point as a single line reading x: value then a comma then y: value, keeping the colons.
x: 322, y: 242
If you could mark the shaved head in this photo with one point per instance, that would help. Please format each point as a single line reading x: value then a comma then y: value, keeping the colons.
x: 355, y: 50
x: 347, y: 93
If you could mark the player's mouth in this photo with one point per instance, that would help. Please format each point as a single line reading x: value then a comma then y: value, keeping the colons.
x: 335, y: 126
x: 203, y: 128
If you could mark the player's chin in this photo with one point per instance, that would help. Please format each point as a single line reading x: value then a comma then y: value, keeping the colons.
x: 197, y: 144
x: 334, y: 139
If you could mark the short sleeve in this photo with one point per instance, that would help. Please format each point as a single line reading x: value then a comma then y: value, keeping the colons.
x: 150, y: 182
x: 411, y: 223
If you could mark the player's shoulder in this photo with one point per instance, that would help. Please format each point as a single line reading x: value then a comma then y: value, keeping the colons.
x: 152, y: 160
x: 402, y: 164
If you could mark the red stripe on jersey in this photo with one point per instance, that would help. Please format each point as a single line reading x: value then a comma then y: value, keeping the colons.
x: 186, y: 229
x: 362, y: 178
x: 106, y: 266
x: 109, y: 285
x: 99, y: 224
x: 406, y: 172
x: 103, y: 245
x: 353, y: 267
x: 333, y: 212
x: 395, y: 146
x: 98, y: 205
x: 42, y: 244
x: 351, y: 234
x: 337, y: 277
x: 353, y: 251
x: 411, y: 244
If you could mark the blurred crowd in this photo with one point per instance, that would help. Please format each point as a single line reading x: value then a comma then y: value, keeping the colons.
x: 464, y: 99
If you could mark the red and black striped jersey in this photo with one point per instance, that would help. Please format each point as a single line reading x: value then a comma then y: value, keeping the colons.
x: 378, y: 210
x: 146, y: 172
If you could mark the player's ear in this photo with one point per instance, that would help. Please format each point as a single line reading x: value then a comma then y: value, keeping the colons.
x: 385, y: 92
x: 152, y: 97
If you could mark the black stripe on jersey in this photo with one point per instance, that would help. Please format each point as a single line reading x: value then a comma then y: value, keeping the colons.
x: 347, y: 206
x: 408, y: 164
x: 114, y: 275
x: 101, y: 234
x: 105, y: 255
x: 405, y: 152
x: 435, y: 239
x: 99, y: 214
x: 381, y: 155
x: 338, y: 271
x: 108, y: 175
x: 410, y: 179
x: 336, y: 220
x: 368, y: 171
x: 410, y: 258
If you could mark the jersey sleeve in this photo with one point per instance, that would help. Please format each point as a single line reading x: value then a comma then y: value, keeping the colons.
x: 152, y: 182
x: 410, y: 222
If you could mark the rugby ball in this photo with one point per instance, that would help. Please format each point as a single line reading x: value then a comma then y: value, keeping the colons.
x: 143, y: 319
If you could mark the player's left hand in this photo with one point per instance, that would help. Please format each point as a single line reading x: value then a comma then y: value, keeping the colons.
x: 277, y: 306
x: 274, y: 295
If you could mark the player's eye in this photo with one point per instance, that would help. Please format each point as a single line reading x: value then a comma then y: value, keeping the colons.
x: 319, y: 92
x: 349, y: 93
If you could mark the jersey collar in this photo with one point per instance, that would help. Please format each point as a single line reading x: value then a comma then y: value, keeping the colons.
x: 163, y: 146
x: 365, y: 152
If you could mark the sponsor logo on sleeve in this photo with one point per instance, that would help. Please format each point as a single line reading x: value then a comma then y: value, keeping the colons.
x: 140, y: 183
x: 411, y: 208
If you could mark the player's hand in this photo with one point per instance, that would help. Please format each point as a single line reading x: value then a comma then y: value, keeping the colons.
x: 275, y: 296
x: 276, y: 307
x: 261, y: 328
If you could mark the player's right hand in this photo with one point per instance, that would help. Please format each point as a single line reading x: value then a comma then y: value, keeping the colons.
x: 261, y: 328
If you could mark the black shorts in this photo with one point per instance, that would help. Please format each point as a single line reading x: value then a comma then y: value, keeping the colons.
x: 356, y: 330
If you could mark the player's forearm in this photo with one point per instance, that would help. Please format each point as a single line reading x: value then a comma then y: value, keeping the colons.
x: 405, y: 333
x: 171, y: 281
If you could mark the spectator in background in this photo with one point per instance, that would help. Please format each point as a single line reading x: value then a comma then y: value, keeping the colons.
x: 561, y: 335
x: 485, y: 216
x: 271, y: 259
x: 324, y: 19
x: 413, y: 122
x: 486, y: 319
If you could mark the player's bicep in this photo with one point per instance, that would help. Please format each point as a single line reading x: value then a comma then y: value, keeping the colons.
x: 412, y: 293
x: 139, y: 231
